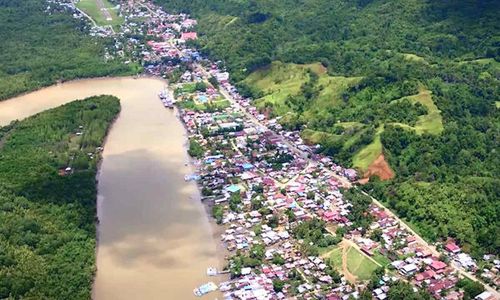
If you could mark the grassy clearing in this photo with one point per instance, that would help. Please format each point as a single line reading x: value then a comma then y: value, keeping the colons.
x: 366, y: 156
x: 187, y: 88
x: 316, y: 137
x: 325, y: 251
x: 277, y: 82
x: 414, y: 57
x: 336, y: 258
x: 213, y: 105
x: 359, y: 265
x: 481, y: 61
x: 333, y: 86
x: 432, y: 122
x: 92, y: 9
x: 281, y: 80
x: 382, y: 260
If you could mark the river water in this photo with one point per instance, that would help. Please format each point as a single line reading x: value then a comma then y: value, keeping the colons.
x: 154, y: 237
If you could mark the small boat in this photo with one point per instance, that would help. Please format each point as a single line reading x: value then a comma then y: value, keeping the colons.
x: 205, y: 289
x: 212, y: 271
x: 163, y: 94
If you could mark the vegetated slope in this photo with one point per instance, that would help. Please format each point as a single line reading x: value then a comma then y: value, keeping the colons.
x: 47, y: 215
x: 438, y: 59
x: 38, y: 48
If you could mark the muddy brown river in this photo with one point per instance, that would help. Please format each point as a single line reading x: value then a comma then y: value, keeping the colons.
x: 154, y: 237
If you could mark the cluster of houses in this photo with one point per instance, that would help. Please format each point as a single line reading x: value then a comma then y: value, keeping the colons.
x: 250, y: 156
x: 262, y: 181
x: 247, y: 159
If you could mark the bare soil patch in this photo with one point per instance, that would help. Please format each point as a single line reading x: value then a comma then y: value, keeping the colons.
x: 379, y: 168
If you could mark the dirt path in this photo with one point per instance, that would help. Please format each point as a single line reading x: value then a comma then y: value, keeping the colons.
x: 104, y: 10
x: 355, y: 246
x: 348, y: 275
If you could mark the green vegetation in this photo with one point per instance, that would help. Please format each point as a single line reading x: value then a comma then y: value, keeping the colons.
x: 195, y: 149
x: 381, y: 259
x: 431, y: 122
x: 359, y: 215
x: 314, y: 236
x: 38, y: 49
x: 359, y: 265
x: 191, y: 88
x: 438, y: 59
x: 471, y: 288
x: 401, y: 290
x: 367, y: 155
x: 206, y: 107
x: 91, y: 8
x: 336, y: 258
x: 47, y: 215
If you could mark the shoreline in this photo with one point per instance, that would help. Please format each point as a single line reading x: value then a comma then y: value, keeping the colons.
x: 215, y: 229
x: 59, y: 82
x: 98, y: 201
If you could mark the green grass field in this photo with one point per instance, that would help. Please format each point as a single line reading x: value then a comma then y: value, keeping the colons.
x: 414, y: 57
x: 359, y: 265
x: 217, y: 105
x: 92, y: 9
x: 382, y: 260
x: 315, y: 137
x: 281, y: 80
x: 364, y: 158
x: 432, y: 122
x: 336, y: 258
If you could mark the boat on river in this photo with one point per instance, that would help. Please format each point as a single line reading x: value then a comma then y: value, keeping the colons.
x: 166, y: 99
x: 205, y: 289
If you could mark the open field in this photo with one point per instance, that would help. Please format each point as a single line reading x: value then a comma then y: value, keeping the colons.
x: 359, y: 265
x: 336, y: 258
x: 432, y: 122
x: 216, y: 105
x: 315, y: 137
x: 382, y: 260
x: 353, y: 264
x: 277, y: 82
x: 414, y: 57
x: 282, y: 80
x: 366, y: 156
x: 103, y: 12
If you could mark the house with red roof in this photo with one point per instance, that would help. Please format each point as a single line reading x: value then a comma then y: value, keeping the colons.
x: 438, y: 266
x: 452, y: 248
x: 186, y: 36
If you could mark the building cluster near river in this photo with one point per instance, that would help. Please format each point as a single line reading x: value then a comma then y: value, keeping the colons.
x: 294, y: 227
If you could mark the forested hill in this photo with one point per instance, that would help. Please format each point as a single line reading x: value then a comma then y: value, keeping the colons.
x: 48, y: 212
x: 414, y: 80
x: 37, y: 48
x: 353, y: 36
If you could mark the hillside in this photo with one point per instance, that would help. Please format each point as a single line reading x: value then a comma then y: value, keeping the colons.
x: 47, y: 212
x: 39, y: 48
x: 414, y: 80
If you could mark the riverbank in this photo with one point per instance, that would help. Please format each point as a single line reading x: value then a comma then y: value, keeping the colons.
x: 155, y: 238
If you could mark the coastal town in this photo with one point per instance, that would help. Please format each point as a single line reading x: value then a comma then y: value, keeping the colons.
x: 295, y: 225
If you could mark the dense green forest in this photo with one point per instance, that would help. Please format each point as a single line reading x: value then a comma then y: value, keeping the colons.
x: 37, y: 48
x: 415, y: 80
x: 47, y: 212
